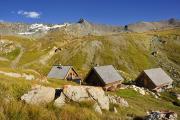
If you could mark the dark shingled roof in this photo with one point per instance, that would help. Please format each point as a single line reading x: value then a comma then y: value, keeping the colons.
x: 59, y: 72
x: 158, y: 76
x: 108, y: 73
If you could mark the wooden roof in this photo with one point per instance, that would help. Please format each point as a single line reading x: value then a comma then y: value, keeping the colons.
x: 158, y: 76
x: 108, y: 74
x: 59, y: 72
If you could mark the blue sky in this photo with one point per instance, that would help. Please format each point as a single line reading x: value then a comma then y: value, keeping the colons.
x: 115, y: 12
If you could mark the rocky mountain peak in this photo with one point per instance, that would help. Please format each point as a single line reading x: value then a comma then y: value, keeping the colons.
x: 173, y: 21
x: 82, y: 21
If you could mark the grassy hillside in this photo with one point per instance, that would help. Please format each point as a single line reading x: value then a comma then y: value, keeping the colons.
x: 13, y: 109
x: 129, y: 52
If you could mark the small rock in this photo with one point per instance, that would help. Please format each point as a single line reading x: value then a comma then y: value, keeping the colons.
x: 178, y: 96
x: 118, y: 101
x: 115, y: 110
x: 28, y: 77
x: 97, y: 108
x: 153, y: 94
x: 60, y: 101
x: 142, y: 92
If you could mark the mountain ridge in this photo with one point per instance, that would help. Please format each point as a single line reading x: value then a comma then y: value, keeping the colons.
x: 84, y: 27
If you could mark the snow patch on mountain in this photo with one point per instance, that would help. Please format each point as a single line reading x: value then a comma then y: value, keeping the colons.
x: 34, y: 28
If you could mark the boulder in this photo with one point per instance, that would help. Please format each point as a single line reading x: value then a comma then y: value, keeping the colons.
x: 39, y: 95
x: 97, y: 108
x: 99, y: 96
x: 76, y: 93
x: 60, y: 101
x: 84, y: 93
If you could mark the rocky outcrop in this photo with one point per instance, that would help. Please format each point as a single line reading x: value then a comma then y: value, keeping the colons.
x: 141, y: 90
x: 118, y: 101
x: 39, y: 95
x: 161, y: 115
x: 84, y: 27
x: 6, y: 46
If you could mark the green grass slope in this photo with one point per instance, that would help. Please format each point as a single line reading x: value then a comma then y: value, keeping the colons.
x: 129, y: 52
x: 14, y: 109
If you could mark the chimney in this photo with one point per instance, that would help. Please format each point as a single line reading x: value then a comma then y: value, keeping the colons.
x: 59, y: 66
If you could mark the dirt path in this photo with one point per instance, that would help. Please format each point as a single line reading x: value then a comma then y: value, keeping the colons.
x: 3, y: 59
x: 18, y: 75
x: 16, y: 60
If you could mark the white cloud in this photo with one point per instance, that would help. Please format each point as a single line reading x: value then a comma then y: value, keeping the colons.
x: 29, y: 14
